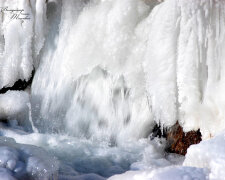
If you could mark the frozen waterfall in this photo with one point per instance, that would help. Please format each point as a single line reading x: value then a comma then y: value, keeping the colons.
x: 111, y: 60
x: 105, y: 73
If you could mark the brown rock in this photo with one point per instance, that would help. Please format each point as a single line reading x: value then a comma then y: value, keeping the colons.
x: 179, y: 142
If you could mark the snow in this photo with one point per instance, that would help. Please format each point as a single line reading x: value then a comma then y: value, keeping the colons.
x: 168, y: 173
x: 208, y: 154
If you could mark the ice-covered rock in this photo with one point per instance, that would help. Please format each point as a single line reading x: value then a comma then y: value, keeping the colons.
x: 26, y: 161
x: 6, y: 174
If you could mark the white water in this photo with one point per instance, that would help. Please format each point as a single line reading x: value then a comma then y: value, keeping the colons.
x: 106, y: 71
x: 88, y: 85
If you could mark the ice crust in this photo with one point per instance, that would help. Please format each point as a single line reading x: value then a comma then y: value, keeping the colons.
x: 20, y: 161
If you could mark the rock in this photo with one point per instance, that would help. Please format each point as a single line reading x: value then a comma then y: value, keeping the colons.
x: 179, y: 142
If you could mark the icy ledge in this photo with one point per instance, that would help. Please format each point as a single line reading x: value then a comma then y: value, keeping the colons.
x: 19, y: 161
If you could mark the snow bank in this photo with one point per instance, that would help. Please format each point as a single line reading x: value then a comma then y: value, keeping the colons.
x: 208, y: 154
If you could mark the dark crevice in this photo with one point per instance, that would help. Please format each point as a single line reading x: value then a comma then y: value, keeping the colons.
x: 19, y: 85
x: 158, y: 132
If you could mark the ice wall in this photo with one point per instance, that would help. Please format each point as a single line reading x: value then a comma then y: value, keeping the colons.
x: 20, y: 161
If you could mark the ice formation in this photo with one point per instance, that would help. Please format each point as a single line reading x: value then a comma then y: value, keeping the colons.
x: 19, y: 38
x: 25, y: 161
x: 14, y: 106
x: 105, y: 72
x: 184, y: 64
x: 168, y: 63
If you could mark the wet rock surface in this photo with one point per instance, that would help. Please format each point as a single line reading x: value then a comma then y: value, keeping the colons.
x: 179, y: 142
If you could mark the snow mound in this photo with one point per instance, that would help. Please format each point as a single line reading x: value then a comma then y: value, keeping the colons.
x: 209, y: 154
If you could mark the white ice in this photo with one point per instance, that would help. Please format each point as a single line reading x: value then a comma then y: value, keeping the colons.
x: 14, y: 107
x: 25, y: 161
x: 18, y: 37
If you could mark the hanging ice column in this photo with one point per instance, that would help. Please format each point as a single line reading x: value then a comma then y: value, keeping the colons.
x: 184, y: 64
x: 20, y: 39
